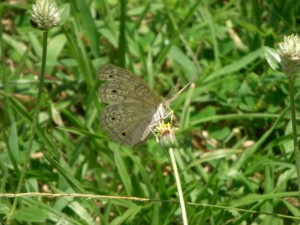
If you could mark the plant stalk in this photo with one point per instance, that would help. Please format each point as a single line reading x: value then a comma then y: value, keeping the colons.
x: 33, y: 127
x: 294, y: 128
x: 178, y: 184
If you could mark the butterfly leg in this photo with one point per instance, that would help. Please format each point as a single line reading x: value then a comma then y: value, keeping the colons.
x: 169, y: 114
x: 153, y: 131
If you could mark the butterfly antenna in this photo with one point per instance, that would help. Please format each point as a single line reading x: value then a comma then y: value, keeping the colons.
x: 168, y: 102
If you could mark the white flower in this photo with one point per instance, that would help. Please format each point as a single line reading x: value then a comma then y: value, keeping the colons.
x: 44, y: 14
x: 289, y: 52
x: 165, y: 135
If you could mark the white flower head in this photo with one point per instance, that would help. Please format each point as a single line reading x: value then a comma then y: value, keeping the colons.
x: 165, y: 135
x: 45, y: 14
x: 289, y: 52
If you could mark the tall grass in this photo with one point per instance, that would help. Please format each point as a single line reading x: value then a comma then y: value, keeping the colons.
x: 235, y: 155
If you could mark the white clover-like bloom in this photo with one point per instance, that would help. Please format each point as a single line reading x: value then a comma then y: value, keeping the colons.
x: 165, y: 135
x: 45, y: 14
x: 289, y: 52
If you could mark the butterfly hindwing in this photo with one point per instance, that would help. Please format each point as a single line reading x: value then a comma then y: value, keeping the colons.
x: 125, y: 123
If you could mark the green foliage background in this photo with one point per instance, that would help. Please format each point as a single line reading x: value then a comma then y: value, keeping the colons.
x: 235, y: 149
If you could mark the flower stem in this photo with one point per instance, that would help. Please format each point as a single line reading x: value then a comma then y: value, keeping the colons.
x: 33, y: 127
x: 295, y: 136
x: 180, y: 194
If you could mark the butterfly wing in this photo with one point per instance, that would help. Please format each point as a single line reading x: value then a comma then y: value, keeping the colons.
x: 123, y: 86
x: 126, y: 123
x: 132, y: 105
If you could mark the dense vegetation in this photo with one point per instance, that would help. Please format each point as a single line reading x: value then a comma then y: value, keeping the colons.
x: 235, y: 151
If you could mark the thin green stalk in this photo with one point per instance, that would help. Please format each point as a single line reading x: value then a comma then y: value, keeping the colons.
x: 179, y: 189
x: 295, y: 136
x: 122, y: 37
x: 33, y: 127
x: 2, y: 52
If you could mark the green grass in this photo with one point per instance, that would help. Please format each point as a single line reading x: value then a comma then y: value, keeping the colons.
x: 235, y: 154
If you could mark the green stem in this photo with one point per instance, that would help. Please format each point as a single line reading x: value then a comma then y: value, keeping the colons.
x: 295, y: 136
x: 122, y: 37
x: 178, y: 184
x: 33, y: 127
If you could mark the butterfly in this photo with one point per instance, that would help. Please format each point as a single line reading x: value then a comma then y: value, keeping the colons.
x: 133, y: 110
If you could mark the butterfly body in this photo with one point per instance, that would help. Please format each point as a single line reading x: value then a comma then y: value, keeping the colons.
x: 132, y: 110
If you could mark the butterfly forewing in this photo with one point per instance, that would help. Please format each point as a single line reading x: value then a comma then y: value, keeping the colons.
x: 121, y: 83
x: 117, y: 92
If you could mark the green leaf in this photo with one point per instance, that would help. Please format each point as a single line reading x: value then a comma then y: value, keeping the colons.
x: 272, y: 57
x: 30, y: 214
x: 64, y: 12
